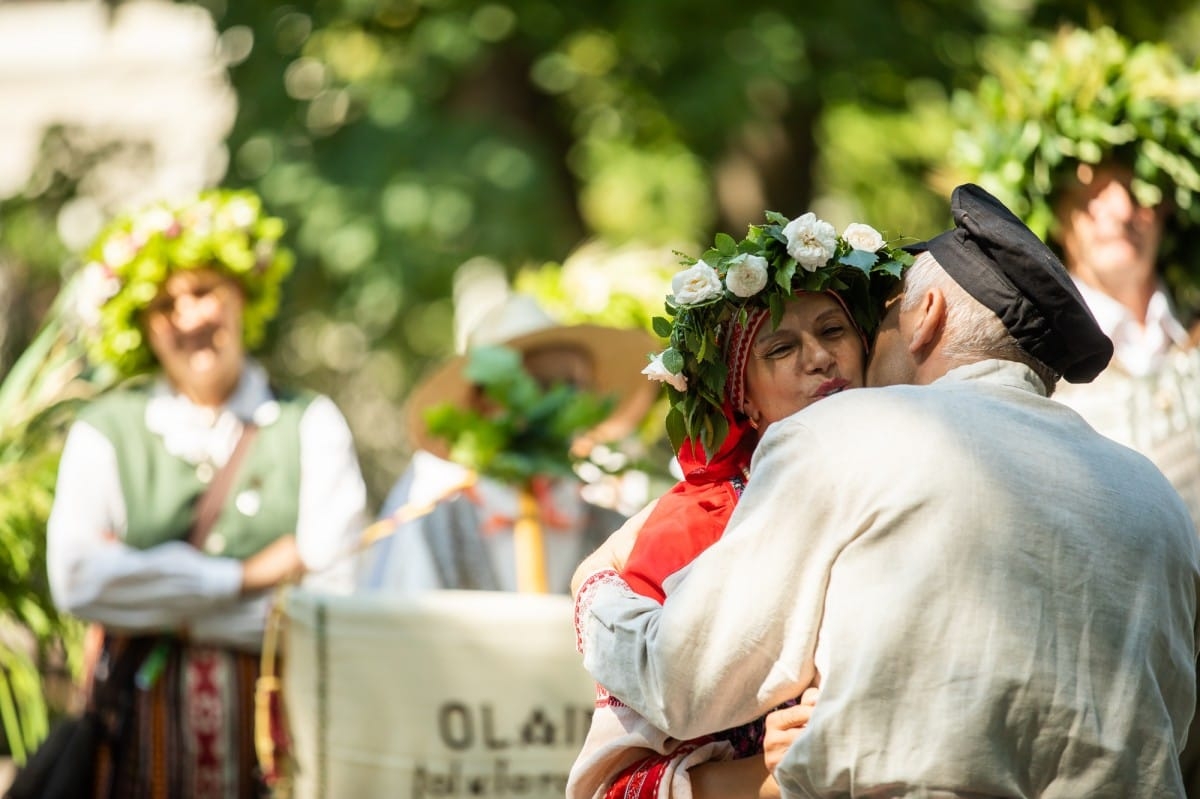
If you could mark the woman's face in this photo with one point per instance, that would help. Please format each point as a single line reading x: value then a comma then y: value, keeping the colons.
x: 816, y: 351
x: 194, y: 327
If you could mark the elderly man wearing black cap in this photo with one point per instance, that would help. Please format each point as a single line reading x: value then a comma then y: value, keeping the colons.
x: 995, y: 600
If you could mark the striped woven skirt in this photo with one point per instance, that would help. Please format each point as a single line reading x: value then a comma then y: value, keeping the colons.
x: 190, y: 731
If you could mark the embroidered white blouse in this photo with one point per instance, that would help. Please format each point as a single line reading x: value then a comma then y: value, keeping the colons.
x: 95, y: 576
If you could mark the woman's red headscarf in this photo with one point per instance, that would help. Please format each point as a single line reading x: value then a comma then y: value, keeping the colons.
x: 693, y: 514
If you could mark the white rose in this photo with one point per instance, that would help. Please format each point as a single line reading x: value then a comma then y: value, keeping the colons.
x: 657, y: 372
x: 94, y: 287
x: 863, y: 237
x: 696, y: 284
x: 747, y: 275
x: 241, y: 213
x: 118, y: 251
x: 811, y: 241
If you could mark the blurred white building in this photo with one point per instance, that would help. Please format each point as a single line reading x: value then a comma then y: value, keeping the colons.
x: 150, y: 72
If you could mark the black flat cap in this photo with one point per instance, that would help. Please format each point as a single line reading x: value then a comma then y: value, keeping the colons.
x: 1003, y: 264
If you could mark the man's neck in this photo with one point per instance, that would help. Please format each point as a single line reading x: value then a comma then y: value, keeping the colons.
x: 937, y: 365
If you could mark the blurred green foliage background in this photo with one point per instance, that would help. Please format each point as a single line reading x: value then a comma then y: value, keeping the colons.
x: 401, y: 138
x: 574, y: 144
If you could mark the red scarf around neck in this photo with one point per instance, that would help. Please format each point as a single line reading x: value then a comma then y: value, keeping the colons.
x: 692, y: 515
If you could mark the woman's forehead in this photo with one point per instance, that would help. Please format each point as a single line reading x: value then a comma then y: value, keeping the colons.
x: 804, y: 308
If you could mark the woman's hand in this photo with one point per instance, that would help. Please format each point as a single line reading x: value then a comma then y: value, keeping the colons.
x: 784, y: 725
x: 613, y: 553
x: 277, y: 562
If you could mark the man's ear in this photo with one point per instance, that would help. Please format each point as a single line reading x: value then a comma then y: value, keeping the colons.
x: 927, y: 320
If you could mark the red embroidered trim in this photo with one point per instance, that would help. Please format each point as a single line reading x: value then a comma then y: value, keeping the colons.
x: 207, y: 682
x: 643, y: 779
x: 586, y: 595
x: 741, y: 339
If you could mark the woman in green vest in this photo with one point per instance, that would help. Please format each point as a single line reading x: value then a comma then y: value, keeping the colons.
x: 179, y: 294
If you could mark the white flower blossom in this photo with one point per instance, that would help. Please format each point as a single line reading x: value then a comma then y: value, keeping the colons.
x: 696, y: 284
x: 118, y: 251
x: 863, y: 237
x: 811, y: 241
x: 94, y: 287
x: 747, y: 275
x: 655, y: 370
x: 158, y: 220
x: 241, y: 213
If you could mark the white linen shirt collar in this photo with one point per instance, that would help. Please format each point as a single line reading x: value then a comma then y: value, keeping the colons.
x: 1139, y: 349
x: 197, y: 434
x: 997, y: 371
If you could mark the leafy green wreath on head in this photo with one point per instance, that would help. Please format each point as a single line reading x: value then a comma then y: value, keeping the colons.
x: 762, y: 271
x: 1090, y: 97
x: 527, y: 431
x: 131, y: 258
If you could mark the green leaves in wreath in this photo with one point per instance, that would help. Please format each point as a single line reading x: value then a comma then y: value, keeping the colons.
x: 721, y: 288
x: 1090, y: 96
x: 517, y: 429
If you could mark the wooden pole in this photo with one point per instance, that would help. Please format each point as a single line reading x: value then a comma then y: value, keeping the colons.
x: 527, y: 545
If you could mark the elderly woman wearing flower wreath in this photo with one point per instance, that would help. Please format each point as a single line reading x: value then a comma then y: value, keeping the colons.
x: 179, y: 588
x: 760, y: 329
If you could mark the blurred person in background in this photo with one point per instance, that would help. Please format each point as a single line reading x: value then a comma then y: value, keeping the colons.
x: 188, y: 492
x: 468, y: 540
x: 1098, y: 142
x: 1097, y: 145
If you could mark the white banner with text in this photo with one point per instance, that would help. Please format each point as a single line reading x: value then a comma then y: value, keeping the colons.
x: 436, y: 696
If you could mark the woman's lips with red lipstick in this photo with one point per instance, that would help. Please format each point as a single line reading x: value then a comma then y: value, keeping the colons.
x: 831, y: 387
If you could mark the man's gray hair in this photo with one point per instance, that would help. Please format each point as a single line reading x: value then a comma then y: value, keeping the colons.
x: 972, y: 331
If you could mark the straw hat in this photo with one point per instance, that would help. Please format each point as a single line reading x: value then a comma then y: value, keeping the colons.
x: 618, y: 356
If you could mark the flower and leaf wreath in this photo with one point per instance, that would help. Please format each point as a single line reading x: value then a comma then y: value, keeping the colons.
x: 770, y: 265
x: 127, y: 264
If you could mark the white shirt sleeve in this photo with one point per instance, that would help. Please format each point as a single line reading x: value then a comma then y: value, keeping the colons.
x: 95, y: 576
x: 333, y: 498
x: 402, y: 562
x: 239, y: 625
x: 737, y: 635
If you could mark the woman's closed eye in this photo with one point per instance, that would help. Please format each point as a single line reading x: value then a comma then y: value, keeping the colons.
x: 833, y: 331
x: 778, y: 350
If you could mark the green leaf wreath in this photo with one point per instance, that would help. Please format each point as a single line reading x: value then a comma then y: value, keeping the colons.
x: 773, y: 262
x: 220, y: 229
x: 521, y: 430
x: 1090, y: 97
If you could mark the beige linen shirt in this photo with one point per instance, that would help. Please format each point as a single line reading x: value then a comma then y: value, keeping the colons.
x: 1149, y: 396
x: 1002, y: 601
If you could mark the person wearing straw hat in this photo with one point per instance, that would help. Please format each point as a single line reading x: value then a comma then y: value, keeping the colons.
x: 190, y: 490
x: 995, y: 599
x: 468, y: 540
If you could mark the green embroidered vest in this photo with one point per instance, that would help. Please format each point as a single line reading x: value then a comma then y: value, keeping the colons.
x: 161, y: 489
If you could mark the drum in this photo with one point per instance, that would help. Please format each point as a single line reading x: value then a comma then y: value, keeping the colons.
x: 441, y: 694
